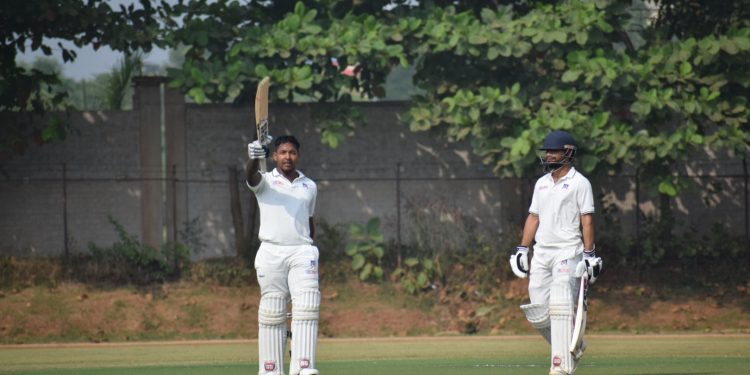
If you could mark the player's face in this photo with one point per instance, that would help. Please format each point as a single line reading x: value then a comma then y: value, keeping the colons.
x: 286, y: 157
x: 554, y: 156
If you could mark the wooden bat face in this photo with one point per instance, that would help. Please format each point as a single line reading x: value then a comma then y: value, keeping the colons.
x: 261, y: 109
x: 261, y: 115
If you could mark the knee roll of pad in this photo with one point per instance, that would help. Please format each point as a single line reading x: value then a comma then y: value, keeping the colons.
x: 306, y: 305
x: 272, y: 309
x: 537, y: 314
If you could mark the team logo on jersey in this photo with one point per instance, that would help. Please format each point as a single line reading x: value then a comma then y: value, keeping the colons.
x: 313, y: 268
x: 304, y: 185
x: 269, y: 365
x: 565, y: 186
x: 304, y: 363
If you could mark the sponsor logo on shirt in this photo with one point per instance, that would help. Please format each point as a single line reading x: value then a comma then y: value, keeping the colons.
x: 543, y: 187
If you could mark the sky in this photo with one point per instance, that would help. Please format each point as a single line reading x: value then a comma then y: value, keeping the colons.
x: 89, y: 62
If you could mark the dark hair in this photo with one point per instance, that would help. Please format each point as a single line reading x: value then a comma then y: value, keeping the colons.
x: 285, y: 139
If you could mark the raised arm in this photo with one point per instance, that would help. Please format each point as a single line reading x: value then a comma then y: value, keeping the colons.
x: 255, y: 152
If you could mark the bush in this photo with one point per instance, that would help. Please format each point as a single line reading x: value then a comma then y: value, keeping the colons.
x: 23, y: 273
x: 366, y: 248
x: 128, y: 261
x: 224, y: 272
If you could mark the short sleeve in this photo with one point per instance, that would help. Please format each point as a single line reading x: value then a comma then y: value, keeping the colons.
x: 534, y: 207
x: 585, y: 197
x: 314, y: 198
x: 261, y: 185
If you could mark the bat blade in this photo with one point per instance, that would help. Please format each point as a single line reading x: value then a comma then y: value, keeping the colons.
x: 261, y: 114
x: 579, y: 328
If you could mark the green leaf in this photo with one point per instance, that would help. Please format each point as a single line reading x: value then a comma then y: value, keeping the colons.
x: 373, y: 226
x: 411, y: 262
x: 477, y: 39
x: 571, y: 75
x: 358, y: 260
x: 352, y: 248
x: 261, y: 70
x: 515, y: 88
x: 357, y: 231
x: 197, y: 94
x: 685, y: 68
x: 366, y: 271
x: 641, y: 108
x: 666, y: 187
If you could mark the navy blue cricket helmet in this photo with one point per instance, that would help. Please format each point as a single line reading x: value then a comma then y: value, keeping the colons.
x: 558, y: 140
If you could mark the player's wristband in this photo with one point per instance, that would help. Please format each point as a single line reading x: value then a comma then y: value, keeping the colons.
x: 590, y: 253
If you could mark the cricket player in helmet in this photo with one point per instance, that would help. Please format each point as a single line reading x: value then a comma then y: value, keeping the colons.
x: 287, y: 261
x: 560, y: 223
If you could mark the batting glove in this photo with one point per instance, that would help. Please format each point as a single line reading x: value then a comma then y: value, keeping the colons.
x: 255, y: 150
x: 519, y: 262
x: 590, y: 266
x: 268, y: 140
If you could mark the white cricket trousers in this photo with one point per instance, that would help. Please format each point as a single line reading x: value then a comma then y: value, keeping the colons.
x: 553, y: 268
x: 286, y: 272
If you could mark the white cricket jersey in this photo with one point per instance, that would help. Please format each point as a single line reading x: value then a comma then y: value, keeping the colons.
x: 559, y: 206
x: 285, y: 208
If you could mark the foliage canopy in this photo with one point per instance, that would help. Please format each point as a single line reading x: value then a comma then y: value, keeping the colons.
x: 633, y: 92
x: 637, y: 91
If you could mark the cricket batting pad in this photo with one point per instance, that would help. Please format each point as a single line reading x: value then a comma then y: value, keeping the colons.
x: 561, y: 327
x: 305, y: 316
x: 271, y: 333
x: 538, y: 315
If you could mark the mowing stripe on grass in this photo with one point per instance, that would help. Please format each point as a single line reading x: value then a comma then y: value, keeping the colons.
x: 519, y: 355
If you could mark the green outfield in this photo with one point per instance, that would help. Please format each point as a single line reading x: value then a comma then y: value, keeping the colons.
x: 657, y: 354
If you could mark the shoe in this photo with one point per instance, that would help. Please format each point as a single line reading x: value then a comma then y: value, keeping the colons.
x: 308, y: 371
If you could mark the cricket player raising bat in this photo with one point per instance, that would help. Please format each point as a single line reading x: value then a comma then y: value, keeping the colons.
x: 561, y: 224
x: 287, y: 260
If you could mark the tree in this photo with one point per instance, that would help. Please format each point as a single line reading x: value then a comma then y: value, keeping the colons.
x: 501, y: 76
x: 118, y: 81
x: 36, y: 25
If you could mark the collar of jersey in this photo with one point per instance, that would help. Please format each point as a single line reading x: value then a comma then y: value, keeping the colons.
x: 569, y: 175
x: 275, y: 173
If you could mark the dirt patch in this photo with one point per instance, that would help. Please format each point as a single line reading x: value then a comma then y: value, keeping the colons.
x: 183, y: 311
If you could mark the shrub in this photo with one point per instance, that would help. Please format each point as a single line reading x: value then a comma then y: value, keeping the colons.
x: 366, y: 247
x: 129, y: 261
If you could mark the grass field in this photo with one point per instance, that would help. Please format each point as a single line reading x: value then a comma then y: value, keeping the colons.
x: 644, y: 355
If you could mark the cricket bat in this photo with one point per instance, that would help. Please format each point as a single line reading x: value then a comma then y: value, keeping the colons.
x: 261, y: 115
x: 579, y: 327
